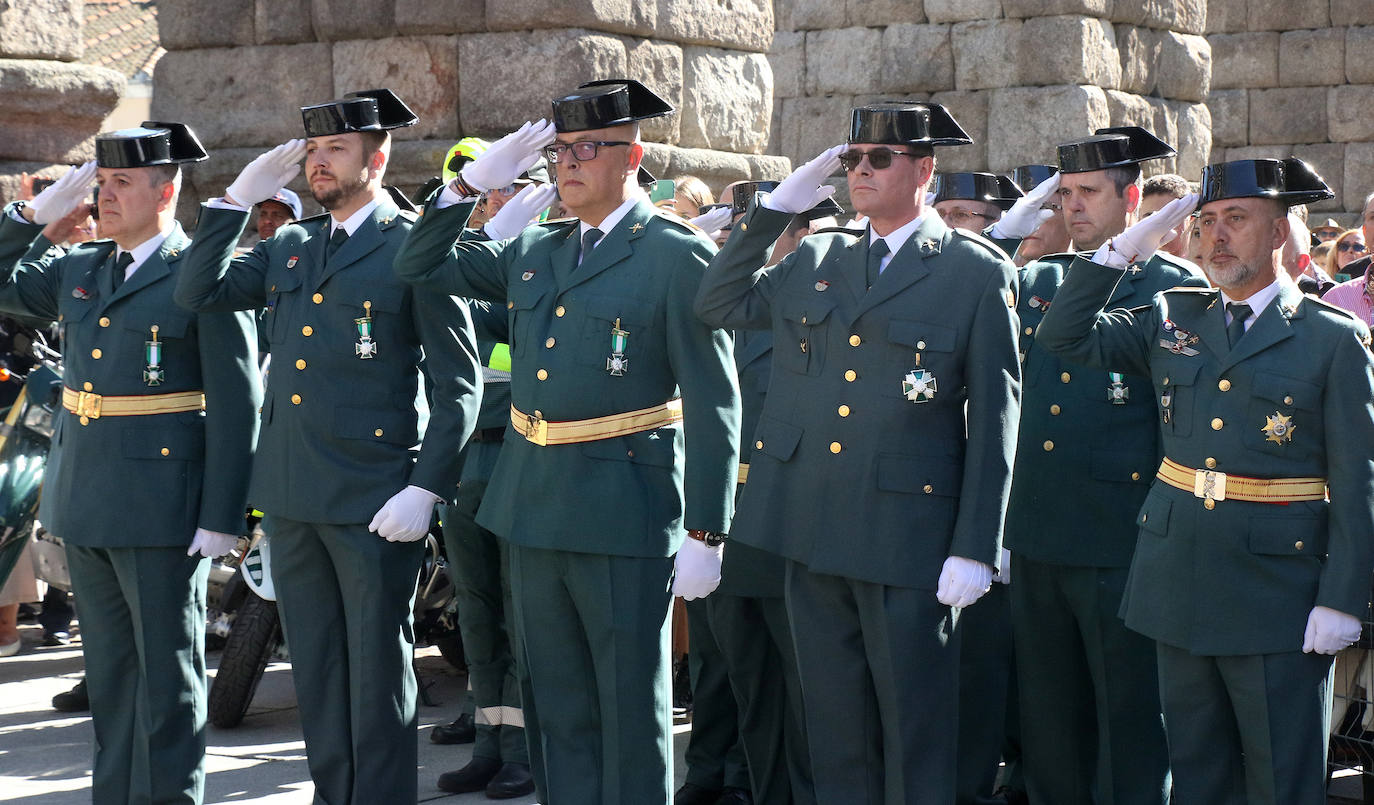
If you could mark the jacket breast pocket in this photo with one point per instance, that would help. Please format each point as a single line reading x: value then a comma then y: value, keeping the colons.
x: 282, y: 290
x: 616, y: 329
x: 803, y: 327
x: 169, y: 323
x: 919, y: 475
x: 934, y: 344
x: 1285, y: 416
x: 1177, y: 382
x: 383, y: 303
x: 521, y: 305
x: 1288, y: 536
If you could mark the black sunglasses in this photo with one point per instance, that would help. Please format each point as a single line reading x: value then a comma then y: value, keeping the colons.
x: 1351, y: 246
x: 583, y: 150
x: 879, y: 158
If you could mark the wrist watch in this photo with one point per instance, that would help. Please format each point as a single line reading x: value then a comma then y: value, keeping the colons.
x: 712, y: 539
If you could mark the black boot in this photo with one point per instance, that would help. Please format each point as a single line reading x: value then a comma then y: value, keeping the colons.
x: 72, y: 701
x: 462, y: 730
x: 472, y: 777
x: 513, y: 780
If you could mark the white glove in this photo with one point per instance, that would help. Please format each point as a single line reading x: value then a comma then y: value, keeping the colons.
x: 508, y: 157
x: 519, y: 211
x: 804, y: 189
x: 1004, y: 575
x: 696, y: 571
x: 263, y: 177
x: 61, y: 197
x: 1025, y: 216
x: 1328, y: 630
x: 712, y: 221
x: 211, y: 543
x: 1144, y: 237
x: 963, y: 581
x: 405, y: 518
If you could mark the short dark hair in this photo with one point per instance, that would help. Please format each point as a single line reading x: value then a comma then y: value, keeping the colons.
x: 374, y: 140
x: 1168, y: 184
x: 1123, y: 176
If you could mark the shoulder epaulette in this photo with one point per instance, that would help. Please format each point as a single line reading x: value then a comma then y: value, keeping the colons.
x: 1193, y: 289
x: 311, y: 220
x: 554, y: 222
x: 982, y: 241
x: 673, y: 218
x: 1327, y: 306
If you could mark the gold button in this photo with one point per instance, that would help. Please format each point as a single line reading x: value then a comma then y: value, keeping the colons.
x: 96, y: 353
x: 1297, y: 545
x: 1287, y: 400
x: 87, y: 385
x: 295, y: 399
x: 854, y: 341
x: 300, y: 363
x: 1054, y: 410
x: 1224, y: 384
x: 538, y: 414
x: 166, y: 451
x: 317, y: 298
x: 1030, y: 330
x: 920, y: 345
x: 85, y: 421
x: 377, y: 432
x: 843, y: 410
x: 1144, y: 518
x: 542, y: 374
x: 850, y: 375
x: 307, y: 331
x: 927, y: 489
x: 104, y: 321
x: 559, y: 311
x: 1135, y: 476
x: 1210, y: 463
x: 1166, y: 381
x: 549, y: 344
x: 744, y: 227
x: 510, y: 305
x: 1209, y: 504
x: 1049, y: 445
x: 629, y: 454
x: 273, y: 288
x: 758, y: 445
x: 835, y: 447
x: 1064, y: 378
x: 1217, y: 424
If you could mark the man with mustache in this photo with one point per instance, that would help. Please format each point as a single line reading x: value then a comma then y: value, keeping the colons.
x: 347, y: 501
x: 1254, y: 557
x: 1088, y: 442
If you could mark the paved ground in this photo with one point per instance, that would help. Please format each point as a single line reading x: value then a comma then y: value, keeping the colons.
x: 45, y: 755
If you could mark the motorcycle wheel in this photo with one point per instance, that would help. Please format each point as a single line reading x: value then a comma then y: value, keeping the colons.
x: 256, y: 632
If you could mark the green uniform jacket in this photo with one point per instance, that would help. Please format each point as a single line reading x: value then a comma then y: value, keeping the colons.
x: 337, y: 430
x: 1240, y: 578
x: 171, y: 473
x: 1083, y: 463
x: 848, y: 476
x: 624, y: 495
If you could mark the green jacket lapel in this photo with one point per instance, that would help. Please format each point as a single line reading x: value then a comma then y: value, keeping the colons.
x: 563, y: 258
x: 1270, y: 327
x: 364, y: 241
x: 615, y: 245
x: 908, y: 265
x: 153, y: 269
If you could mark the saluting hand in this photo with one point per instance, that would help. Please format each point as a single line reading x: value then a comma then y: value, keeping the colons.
x: 804, y: 189
x: 1143, y: 238
x: 405, y: 517
x: 508, y: 157
x: 712, y: 221
x: 62, y: 196
x: 518, y: 212
x: 263, y: 177
x: 1026, y: 215
x: 963, y: 581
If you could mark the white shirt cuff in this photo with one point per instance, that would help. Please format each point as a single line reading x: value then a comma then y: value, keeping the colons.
x: 450, y: 197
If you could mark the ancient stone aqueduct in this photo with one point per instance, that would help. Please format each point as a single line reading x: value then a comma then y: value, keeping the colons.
x: 757, y: 82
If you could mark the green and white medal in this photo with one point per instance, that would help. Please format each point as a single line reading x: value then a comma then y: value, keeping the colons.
x: 152, y: 355
x: 366, y: 348
x: 618, y: 364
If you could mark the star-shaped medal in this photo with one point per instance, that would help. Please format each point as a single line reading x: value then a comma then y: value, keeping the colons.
x: 919, y: 385
x: 1279, y: 427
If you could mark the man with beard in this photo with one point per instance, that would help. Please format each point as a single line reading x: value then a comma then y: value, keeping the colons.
x: 867, y: 476
x: 346, y: 501
x: 1254, y: 558
x: 1090, y: 725
x: 606, y: 472
x: 158, y: 422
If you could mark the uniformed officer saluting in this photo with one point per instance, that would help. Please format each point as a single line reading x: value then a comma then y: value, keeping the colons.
x: 159, y: 421
x: 594, y: 474
x: 863, y: 474
x: 338, y: 423
x: 1254, y: 557
x: 1089, y: 443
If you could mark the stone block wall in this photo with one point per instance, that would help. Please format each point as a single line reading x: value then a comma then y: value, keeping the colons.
x: 468, y: 67
x: 1019, y: 75
x: 1297, y: 78
x: 53, y: 106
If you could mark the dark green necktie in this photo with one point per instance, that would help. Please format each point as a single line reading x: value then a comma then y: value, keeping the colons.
x: 1239, y: 313
x: 121, y: 267
x: 335, y: 241
x: 589, y: 240
x: 876, y: 253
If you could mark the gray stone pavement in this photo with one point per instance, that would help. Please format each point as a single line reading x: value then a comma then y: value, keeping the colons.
x: 45, y: 755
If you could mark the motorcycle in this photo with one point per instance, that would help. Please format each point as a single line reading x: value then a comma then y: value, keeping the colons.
x: 25, y: 436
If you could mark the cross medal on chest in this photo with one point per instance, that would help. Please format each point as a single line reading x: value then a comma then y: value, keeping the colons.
x: 919, y: 384
x: 152, y: 354
x: 617, y: 364
x: 1117, y: 391
x: 366, y: 348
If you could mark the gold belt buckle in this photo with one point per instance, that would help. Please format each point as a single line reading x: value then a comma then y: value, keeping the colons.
x: 88, y: 404
x: 537, y: 430
x: 1209, y: 485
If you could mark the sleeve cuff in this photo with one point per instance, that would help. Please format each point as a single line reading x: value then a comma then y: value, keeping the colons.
x: 221, y: 204
x: 449, y: 197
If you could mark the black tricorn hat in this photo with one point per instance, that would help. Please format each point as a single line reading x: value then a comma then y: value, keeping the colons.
x: 1112, y: 147
x: 742, y: 194
x: 365, y: 110
x: 606, y: 103
x: 644, y: 178
x: 1028, y: 176
x: 976, y: 186
x: 1288, y: 181
x: 905, y: 123
x: 153, y: 143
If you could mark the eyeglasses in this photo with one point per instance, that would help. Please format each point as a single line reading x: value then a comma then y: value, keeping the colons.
x: 958, y: 218
x: 879, y: 158
x: 582, y: 150
x: 1351, y: 246
x: 510, y: 188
